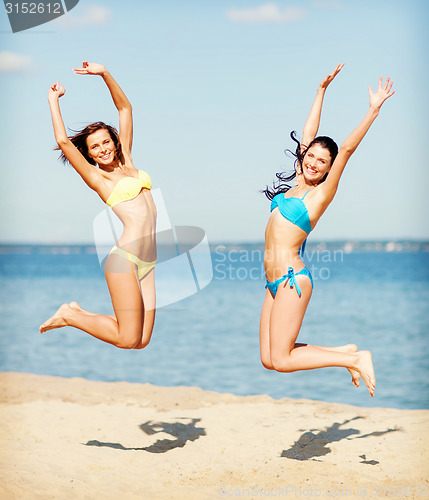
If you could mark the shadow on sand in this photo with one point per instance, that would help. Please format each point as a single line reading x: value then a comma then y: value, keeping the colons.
x: 182, y: 432
x: 314, y: 444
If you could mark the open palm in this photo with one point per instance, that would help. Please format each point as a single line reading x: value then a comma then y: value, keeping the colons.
x: 330, y: 77
x: 90, y: 69
x: 382, y: 93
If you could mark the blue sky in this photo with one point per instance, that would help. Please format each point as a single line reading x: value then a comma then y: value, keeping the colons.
x: 216, y: 88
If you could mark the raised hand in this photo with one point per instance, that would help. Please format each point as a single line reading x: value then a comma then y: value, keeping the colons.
x: 90, y: 69
x: 56, y: 91
x: 324, y: 84
x: 383, y: 92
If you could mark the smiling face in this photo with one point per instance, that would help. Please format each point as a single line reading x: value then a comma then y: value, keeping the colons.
x: 101, y: 147
x: 316, y: 163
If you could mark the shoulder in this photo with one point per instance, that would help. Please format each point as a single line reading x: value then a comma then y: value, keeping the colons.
x: 275, y: 201
x: 320, y: 196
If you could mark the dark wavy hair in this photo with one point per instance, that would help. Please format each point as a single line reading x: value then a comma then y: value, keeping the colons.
x: 80, y: 136
x: 281, y: 185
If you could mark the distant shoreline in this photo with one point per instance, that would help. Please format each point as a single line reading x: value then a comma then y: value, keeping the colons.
x: 347, y: 246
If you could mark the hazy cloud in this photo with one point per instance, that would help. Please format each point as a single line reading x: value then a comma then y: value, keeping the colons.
x: 11, y: 62
x: 87, y: 15
x: 267, y: 13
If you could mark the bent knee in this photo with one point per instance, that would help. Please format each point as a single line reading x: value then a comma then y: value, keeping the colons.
x: 142, y: 344
x: 128, y: 339
x: 267, y: 363
x: 282, y: 364
x: 126, y: 344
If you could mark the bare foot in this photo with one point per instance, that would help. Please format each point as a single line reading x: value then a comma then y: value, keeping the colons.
x: 58, y: 320
x: 75, y: 305
x: 354, y: 373
x: 366, y: 369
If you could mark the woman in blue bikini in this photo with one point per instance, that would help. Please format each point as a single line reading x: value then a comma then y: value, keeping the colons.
x: 294, y: 213
x: 102, y: 157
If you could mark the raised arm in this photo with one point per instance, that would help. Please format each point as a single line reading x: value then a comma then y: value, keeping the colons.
x: 88, y: 172
x: 120, y: 100
x: 348, y: 147
x: 312, y: 124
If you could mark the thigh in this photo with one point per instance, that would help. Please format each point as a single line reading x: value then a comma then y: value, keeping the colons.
x: 126, y: 300
x: 147, y: 290
x: 264, y: 330
x: 286, y: 317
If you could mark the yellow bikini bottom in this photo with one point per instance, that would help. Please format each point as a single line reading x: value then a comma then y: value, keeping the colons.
x: 142, y: 267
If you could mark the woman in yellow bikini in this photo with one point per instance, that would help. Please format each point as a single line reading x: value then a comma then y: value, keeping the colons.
x: 102, y: 157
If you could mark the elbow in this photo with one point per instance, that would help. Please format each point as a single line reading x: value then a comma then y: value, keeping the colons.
x: 347, y: 149
x: 62, y: 142
x: 127, y: 108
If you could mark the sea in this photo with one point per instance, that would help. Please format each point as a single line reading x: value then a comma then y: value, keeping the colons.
x: 375, y: 296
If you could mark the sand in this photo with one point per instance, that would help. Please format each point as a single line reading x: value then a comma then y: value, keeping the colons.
x: 79, y: 439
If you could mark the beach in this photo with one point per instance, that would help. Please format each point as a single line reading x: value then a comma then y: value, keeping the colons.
x: 67, y: 438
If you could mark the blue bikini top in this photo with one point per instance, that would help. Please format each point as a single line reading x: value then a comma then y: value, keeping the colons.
x: 294, y: 210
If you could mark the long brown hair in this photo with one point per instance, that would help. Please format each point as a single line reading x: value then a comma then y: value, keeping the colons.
x: 80, y: 136
x: 281, y: 185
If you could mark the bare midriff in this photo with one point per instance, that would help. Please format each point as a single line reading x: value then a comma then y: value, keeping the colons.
x: 283, y: 239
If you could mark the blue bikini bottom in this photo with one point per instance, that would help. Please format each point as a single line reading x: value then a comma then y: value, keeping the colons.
x: 292, y: 281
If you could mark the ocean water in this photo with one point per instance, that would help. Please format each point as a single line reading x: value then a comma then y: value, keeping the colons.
x: 376, y: 300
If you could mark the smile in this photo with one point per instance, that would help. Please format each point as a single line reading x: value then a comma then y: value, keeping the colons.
x: 311, y: 170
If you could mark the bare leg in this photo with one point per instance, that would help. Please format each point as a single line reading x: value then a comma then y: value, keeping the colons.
x: 287, y: 313
x: 147, y: 290
x: 264, y: 337
x: 74, y: 305
x: 312, y: 357
x: 71, y: 316
x: 125, y: 332
x: 345, y: 348
x: 264, y: 331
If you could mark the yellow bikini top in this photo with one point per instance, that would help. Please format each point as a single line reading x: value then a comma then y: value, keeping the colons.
x: 128, y: 188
